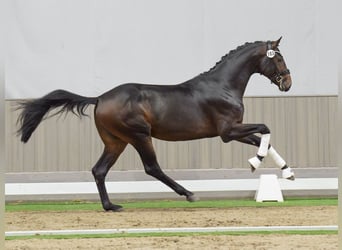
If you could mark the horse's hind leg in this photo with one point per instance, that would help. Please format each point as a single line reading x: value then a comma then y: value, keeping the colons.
x: 280, y: 162
x: 145, y: 149
x: 108, y: 158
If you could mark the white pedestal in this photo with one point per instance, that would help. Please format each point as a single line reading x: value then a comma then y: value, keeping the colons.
x: 269, y: 189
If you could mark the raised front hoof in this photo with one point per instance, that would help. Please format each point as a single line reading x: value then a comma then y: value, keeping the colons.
x: 255, y: 163
x: 192, y: 198
x: 113, y: 208
x: 291, y: 178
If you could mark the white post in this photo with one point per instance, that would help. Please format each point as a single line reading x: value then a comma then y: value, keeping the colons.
x: 269, y: 189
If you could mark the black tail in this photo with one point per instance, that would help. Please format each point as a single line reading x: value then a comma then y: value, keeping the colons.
x: 33, y: 111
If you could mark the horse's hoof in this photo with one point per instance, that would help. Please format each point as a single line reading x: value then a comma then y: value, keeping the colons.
x: 288, y: 174
x: 192, y: 198
x: 291, y: 178
x: 114, y: 208
x: 255, y: 163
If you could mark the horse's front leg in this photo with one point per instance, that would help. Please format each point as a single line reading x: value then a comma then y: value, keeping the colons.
x: 254, y: 140
x: 245, y: 133
x: 239, y: 131
x: 287, y: 172
x: 145, y: 149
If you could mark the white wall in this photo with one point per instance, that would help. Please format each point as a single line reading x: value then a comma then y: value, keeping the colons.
x: 90, y: 46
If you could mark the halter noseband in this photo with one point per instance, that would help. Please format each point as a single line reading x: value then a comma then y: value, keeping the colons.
x: 277, y: 77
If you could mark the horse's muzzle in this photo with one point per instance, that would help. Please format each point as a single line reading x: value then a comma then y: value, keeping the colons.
x: 285, y: 83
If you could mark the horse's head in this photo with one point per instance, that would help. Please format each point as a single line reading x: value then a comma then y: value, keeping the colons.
x: 273, y: 66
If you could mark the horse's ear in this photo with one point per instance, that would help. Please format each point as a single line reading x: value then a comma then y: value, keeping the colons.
x: 276, y: 43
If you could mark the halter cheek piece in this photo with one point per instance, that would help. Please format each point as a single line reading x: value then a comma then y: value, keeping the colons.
x: 277, y: 77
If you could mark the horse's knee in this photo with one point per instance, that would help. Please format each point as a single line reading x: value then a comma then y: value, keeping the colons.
x: 264, y: 129
x: 226, y: 138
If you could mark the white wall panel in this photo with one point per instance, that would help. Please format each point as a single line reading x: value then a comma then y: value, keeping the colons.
x: 303, y: 132
x: 89, y: 46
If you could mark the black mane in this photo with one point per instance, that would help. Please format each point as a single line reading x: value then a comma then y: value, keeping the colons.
x: 230, y: 54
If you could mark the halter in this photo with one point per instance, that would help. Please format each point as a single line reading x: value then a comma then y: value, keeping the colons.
x: 277, y: 77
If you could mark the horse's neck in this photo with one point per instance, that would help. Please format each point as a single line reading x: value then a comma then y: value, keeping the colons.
x: 235, y: 73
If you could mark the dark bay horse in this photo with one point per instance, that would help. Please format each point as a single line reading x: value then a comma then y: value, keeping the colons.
x: 208, y: 105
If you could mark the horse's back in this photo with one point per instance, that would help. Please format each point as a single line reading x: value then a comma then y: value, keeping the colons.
x: 169, y: 112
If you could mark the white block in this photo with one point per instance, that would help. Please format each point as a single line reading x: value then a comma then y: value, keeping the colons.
x: 269, y: 189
